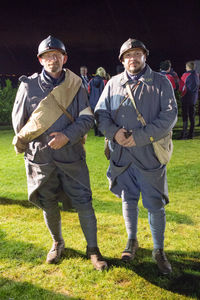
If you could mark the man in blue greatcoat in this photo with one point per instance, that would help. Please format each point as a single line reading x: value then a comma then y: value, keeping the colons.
x: 134, y: 167
x: 50, y: 117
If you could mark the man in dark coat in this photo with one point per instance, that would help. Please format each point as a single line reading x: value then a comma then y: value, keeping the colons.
x: 50, y: 116
x: 85, y: 77
x: 165, y: 70
x: 189, y: 87
x: 174, y: 74
x: 95, y: 88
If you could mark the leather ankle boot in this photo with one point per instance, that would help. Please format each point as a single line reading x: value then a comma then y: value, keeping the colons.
x: 56, y: 252
x: 129, y: 253
x: 160, y: 258
x: 96, y: 258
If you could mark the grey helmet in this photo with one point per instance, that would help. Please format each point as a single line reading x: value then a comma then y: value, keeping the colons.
x: 50, y: 44
x: 130, y: 44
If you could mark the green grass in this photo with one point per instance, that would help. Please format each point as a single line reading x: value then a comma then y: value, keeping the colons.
x: 25, y: 241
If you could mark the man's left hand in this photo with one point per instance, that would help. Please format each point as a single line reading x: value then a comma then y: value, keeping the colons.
x: 122, y: 140
x: 58, y: 140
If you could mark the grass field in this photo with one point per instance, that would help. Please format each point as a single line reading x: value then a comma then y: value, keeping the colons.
x: 25, y: 241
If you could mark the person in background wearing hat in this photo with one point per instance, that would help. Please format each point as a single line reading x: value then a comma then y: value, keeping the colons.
x: 50, y: 116
x: 164, y: 70
x: 134, y: 167
x: 95, y: 88
x: 189, y: 87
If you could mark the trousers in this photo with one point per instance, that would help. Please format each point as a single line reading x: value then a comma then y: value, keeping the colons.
x: 133, y: 186
x: 81, y: 200
x: 188, y: 111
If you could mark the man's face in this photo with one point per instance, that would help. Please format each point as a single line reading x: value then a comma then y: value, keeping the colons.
x: 187, y: 68
x: 83, y: 71
x: 134, y: 60
x: 53, y: 61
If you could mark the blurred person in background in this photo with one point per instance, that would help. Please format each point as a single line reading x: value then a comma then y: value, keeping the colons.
x: 189, y: 87
x: 95, y: 88
x: 85, y: 77
x: 164, y: 70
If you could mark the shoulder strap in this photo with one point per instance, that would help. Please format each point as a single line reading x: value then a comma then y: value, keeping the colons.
x: 69, y: 116
x: 47, y: 112
x: 126, y: 97
x: 139, y: 116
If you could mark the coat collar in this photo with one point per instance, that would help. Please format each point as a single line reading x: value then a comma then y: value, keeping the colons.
x: 47, y: 83
x: 146, y: 78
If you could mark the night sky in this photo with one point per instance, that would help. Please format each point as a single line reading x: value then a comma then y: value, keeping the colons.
x: 93, y: 32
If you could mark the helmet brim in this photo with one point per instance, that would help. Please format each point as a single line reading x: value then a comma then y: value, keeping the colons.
x: 51, y: 49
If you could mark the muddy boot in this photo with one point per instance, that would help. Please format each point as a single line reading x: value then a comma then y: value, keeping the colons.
x: 163, y: 264
x: 96, y: 258
x: 129, y: 253
x: 56, y: 252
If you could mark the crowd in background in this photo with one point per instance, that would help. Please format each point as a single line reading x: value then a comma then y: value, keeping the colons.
x: 94, y: 86
x: 186, y: 89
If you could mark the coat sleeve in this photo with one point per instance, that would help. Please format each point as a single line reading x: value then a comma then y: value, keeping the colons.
x: 84, y: 120
x: 19, y: 112
x: 103, y: 114
x: 165, y: 120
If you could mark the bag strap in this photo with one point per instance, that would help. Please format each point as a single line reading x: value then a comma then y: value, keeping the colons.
x: 83, y: 139
x: 125, y: 98
x: 64, y: 111
x: 139, y: 115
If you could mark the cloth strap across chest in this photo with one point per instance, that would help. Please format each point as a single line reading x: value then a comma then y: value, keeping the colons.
x: 48, y: 110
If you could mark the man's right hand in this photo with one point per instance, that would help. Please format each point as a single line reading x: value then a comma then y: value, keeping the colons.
x: 58, y: 140
x: 122, y: 140
x: 19, y: 145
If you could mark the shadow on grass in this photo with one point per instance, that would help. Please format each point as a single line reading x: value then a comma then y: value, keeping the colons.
x: 25, y: 290
x: 71, y: 253
x: 107, y: 207
x: 27, y: 252
x: 184, y: 280
x: 178, y: 129
x: 20, y: 252
x: 24, y: 203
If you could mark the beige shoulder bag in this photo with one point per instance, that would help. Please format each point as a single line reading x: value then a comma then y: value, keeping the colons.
x: 163, y: 148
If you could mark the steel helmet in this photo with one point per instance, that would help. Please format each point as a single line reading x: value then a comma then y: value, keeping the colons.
x: 130, y: 44
x: 50, y: 44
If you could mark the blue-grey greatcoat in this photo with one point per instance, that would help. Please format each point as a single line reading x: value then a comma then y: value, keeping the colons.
x: 40, y: 159
x: 156, y: 102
